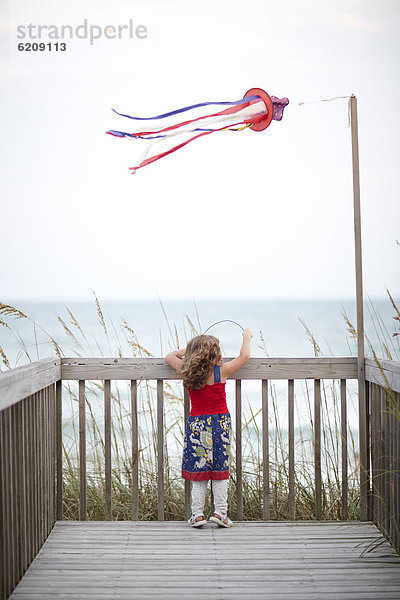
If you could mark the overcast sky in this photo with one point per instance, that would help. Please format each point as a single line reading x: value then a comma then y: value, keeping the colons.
x: 234, y: 215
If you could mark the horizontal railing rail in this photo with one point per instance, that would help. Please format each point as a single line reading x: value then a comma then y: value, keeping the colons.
x: 256, y: 368
x: 385, y: 373
x: 21, y: 382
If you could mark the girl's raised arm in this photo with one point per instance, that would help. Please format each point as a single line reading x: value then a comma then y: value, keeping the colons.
x: 230, y: 367
x: 174, y: 358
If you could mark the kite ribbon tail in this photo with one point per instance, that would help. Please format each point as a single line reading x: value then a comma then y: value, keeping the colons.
x: 148, y: 161
x: 227, y: 111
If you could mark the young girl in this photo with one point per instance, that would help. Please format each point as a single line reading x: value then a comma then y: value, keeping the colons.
x: 207, y: 437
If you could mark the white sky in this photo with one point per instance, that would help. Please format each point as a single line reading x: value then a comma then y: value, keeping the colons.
x: 235, y: 215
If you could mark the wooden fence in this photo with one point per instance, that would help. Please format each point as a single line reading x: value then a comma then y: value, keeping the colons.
x: 383, y: 397
x: 29, y: 435
x: 31, y: 441
x: 257, y: 369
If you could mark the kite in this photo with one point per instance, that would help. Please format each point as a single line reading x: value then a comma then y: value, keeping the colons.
x: 255, y: 110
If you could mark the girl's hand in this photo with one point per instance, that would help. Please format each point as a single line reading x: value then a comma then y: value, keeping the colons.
x: 174, y: 358
x: 230, y: 367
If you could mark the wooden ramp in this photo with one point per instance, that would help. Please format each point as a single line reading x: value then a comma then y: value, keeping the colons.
x: 170, y: 560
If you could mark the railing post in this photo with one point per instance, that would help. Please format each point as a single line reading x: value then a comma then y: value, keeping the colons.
x: 160, y: 449
x: 82, y: 451
x: 317, y: 449
x: 6, y: 488
x: 107, y: 449
x: 36, y: 470
x: 265, y: 448
x: 292, y: 499
x: 392, y: 499
x: 26, y: 451
x: 368, y: 448
x: 135, y: 452
x: 363, y: 428
x: 18, y: 479
x: 396, y: 469
x: 59, y: 450
x: 343, y: 423
x: 381, y: 457
x: 239, y: 481
x: 374, y: 451
x: 3, y: 507
x: 386, y: 491
x: 186, y: 411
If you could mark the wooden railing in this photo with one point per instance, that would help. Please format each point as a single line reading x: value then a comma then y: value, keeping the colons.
x: 257, y: 369
x: 31, y: 441
x: 30, y: 433
x: 383, y: 397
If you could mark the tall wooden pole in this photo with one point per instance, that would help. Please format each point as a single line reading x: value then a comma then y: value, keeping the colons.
x: 363, y: 412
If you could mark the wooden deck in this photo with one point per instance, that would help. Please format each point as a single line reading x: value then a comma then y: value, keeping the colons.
x: 169, y: 560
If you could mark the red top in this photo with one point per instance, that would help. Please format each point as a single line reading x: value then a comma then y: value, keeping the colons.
x: 209, y: 400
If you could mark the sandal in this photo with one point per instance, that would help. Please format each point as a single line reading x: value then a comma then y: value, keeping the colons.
x: 193, y: 523
x: 216, y: 518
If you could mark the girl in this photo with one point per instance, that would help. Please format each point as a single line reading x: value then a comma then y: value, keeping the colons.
x: 207, y: 437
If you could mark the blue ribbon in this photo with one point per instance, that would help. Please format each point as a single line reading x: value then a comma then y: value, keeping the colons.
x: 181, y: 110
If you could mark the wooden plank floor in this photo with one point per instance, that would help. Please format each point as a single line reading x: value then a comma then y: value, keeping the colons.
x: 170, y: 561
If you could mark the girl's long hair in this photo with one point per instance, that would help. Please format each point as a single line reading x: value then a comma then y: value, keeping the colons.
x: 202, y: 354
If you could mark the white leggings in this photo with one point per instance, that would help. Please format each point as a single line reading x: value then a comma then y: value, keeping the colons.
x: 220, y: 491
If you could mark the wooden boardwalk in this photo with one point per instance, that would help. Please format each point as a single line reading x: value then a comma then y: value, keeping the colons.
x: 169, y: 560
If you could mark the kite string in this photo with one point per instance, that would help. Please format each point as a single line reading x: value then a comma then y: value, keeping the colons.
x: 224, y: 321
x: 302, y: 103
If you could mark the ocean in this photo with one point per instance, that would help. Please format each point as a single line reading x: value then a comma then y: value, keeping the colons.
x: 279, y: 327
